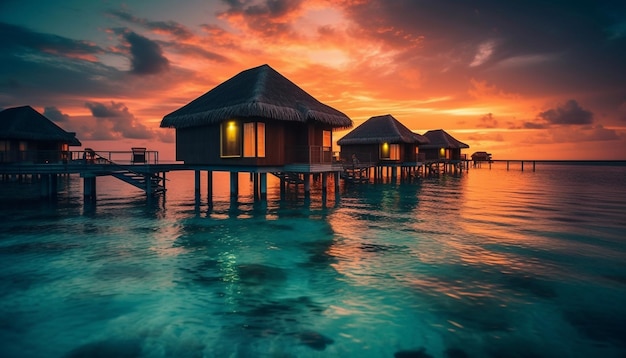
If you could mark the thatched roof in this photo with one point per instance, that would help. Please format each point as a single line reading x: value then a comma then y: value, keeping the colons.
x: 440, y: 139
x: 256, y: 92
x: 25, y: 123
x: 381, y: 129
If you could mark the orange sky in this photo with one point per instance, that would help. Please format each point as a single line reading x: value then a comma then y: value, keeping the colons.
x: 542, y: 81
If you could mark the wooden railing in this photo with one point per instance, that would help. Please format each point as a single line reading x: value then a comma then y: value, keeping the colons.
x: 87, y: 156
x: 314, y: 154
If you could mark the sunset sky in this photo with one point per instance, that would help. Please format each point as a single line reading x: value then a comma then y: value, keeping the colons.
x: 519, y: 79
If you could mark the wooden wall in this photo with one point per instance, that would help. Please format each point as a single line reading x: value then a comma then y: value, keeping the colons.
x: 285, y: 143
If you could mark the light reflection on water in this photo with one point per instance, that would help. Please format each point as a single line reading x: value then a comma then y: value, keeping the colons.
x: 491, y: 263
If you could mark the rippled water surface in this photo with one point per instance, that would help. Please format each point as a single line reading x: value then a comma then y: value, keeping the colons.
x: 492, y: 263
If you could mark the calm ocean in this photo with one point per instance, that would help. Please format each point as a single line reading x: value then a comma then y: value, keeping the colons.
x: 492, y: 263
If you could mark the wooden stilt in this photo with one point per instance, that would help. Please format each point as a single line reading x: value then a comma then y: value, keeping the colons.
x: 263, y: 186
x: 197, y: 185
x: 209, y: 187
x: 89, y: 187
x: 255, y: 186
x: 234, y: 185
x: 307, y: 185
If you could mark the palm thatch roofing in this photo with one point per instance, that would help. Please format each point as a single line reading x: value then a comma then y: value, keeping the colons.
x: 25, y: 123
x: 256, y: 92
x: 382, y: 129
x: 440, y: 139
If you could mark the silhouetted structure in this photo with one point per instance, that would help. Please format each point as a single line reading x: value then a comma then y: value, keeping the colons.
x: 443, y: 153
x: 256, y: 118
x: 381, y: 141
x: 28, y: 136
x: 259, y: 122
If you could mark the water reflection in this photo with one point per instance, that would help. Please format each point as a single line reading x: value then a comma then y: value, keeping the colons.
x: 491, y: 263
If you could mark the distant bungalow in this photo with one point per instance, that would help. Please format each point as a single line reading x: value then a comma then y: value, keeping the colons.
x: 381, y: 141
x: 443, y: 152
x: 28, y: 136
x: 257, y: 121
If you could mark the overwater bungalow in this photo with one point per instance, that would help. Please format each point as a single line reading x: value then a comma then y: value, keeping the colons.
x: 257, y: 121
x: 26, y: 136
x: 443, y: 152
x: 382, y: 141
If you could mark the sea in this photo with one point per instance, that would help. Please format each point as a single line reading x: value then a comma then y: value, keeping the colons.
x: 488, y: 262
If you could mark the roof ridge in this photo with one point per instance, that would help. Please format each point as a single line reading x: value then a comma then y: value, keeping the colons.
x: 261, y: 82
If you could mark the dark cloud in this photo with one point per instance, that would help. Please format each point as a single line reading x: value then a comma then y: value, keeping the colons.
x: 146, y: 55
x: 34, y: 64
x: 535, y: 125
x: 488, y: 121
x: 115, y: 120
x: 268, y: 18
x: 563, y: 45
x: 55, y: 115
x: 266, y: 8
x: 569, y: 114
x: 114, y: 110
x: 172, y: 28
x: 19, y: 39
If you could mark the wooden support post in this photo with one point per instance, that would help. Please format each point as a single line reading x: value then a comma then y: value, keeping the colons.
x: 148, y: 178
x: 522, y: 165
x: 283, y: 188
x: 307, y: 185
x: 263, y: 185
x: 234, y: 185
x: 197, y: 185
x: 507, y: 165
x: 209, y: 187
x: 534, y: 165
x: 89, y: 187
x: 255, y: 186
x: 337, y: 176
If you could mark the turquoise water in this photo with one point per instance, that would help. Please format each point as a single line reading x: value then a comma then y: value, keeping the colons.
x: 492, y: 263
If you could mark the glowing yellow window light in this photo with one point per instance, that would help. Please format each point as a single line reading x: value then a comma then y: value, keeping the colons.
x: 231, y: 131
x: 384, y: 150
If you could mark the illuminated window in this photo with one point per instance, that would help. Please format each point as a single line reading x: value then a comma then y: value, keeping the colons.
x: 231, y: 139
x: 248, y: 140
x: 390, y: 151
x: 394, y: 151
x: 260, y: 140
x: 254, y: 140
x: 327, y: 140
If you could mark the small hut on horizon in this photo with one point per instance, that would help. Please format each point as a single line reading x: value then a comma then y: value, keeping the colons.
x: 381, y: 139
x: 442, y: 146
x: 28, y: 136
x: 256, y: 118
